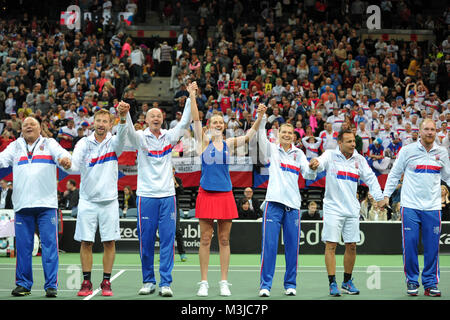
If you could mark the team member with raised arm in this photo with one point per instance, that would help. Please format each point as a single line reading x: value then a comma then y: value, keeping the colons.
x: 34, y: 160
x: 345, y: 167
x: 283, y: 202
x: 215, y: 199
x: 423, y: 164
x: 96, y: 158
x: 156, y: 202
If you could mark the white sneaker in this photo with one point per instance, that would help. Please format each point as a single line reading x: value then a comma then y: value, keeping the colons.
x: 147, y: 288
x: 165, y: 292
x: 224, y: 288
x: 264, y: 293
x: 203, y: 289
x: 290, y: 292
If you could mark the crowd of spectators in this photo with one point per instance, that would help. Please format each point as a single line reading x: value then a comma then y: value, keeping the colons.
x: 307, y: 61
x: 62, y: 77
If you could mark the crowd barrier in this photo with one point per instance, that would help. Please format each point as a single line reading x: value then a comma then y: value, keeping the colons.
x: 377, y: 237
x: 245, y: 238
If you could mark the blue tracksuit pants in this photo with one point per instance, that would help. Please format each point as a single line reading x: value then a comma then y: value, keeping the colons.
x: 25, y: 223
x: 156, y: 214
x: 430, y: 222
x: 275, y: 216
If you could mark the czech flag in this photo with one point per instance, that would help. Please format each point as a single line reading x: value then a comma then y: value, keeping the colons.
x: 382, y: 178
x: 261, y: 177
x: 6, y: 174
x: 127, y: 158
x: 128, y: 17
x: 188, y: 170
x: 241, y: 175
x: 318, y: 182
x: 127, y: 177
x: 63, y: 177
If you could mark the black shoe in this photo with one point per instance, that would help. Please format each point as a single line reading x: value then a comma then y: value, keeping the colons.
x: 51, y: 293
x: 20, y: 291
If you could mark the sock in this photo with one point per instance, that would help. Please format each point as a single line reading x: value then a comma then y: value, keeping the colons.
x: 347, y: 276
x: 106, y: 276
x: 87, y: 276
x: 332, y: 278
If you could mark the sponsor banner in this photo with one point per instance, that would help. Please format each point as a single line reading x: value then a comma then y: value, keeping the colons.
x: 376, y: 238
x: 7, y: 233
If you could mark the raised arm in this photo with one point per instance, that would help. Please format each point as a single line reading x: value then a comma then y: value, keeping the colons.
x: 178, y: 131
x: 130, y: 132
x: 239, y: 141
x: 305, y: 141
x: 199, y: 135
x: 263, y: 142
x: 120, y: 139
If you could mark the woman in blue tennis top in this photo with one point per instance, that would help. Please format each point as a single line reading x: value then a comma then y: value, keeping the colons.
x: 215, y: 199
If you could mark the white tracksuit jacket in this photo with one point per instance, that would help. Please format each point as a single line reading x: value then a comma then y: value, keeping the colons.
x: 35, y: 181
x: 423, y: 171
x: 285, y: 168
x: 155, y: 176
x: 98, y: 165
x: 342, y: 180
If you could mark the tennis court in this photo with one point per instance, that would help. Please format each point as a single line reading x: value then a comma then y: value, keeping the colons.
x: 379, y: 277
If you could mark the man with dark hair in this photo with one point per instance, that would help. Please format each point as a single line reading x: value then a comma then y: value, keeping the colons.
x: 71, y: 195
x: 344, y: 167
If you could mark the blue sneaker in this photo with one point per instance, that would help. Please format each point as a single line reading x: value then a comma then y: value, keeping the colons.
x: 183, y: 257
x: 412, y: 289
x: 349, y: 288
x: 334, y: 291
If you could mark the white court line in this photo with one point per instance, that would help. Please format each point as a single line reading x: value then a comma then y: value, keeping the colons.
x: 98, y: 289
x: 277, y: 270
x: 59, y: 290
x: 232, y: 268
x: 13, y: 266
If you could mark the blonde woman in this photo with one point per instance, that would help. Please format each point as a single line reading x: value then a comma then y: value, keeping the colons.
x: 302, y: 70
x: 215, y: 199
